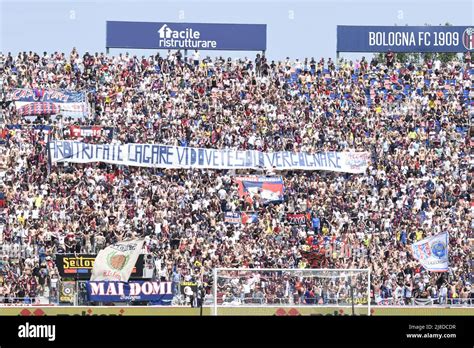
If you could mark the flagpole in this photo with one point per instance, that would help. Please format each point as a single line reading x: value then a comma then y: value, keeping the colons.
x: 49, y: 154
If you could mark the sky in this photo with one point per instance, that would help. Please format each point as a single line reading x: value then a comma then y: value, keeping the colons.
x: 295, y: 29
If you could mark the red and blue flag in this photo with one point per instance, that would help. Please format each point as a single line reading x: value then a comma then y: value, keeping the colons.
x: 270, y: 189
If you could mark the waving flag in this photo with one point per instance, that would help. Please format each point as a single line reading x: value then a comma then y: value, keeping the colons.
x: 116, y: 262
x: 432, y: 252
x: 249, y: 218
x: 269, y: 188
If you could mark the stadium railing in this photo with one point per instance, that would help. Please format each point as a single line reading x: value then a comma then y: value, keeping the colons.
x: 17, y: 301
x: 278, y: 301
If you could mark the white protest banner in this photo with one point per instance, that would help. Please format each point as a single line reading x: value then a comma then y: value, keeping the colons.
x: 116, y: 262
x: 166, y: 156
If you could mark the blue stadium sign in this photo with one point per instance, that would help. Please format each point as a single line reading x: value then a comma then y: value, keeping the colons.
x: 190, y: 36
x: 405, y: 39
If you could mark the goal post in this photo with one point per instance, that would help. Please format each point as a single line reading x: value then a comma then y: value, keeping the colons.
x: 273, y: 291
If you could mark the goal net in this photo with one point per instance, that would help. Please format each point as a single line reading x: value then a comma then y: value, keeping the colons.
x: 244, y: 291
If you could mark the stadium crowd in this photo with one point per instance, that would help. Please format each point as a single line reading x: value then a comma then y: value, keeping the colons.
x: 412, y: 118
